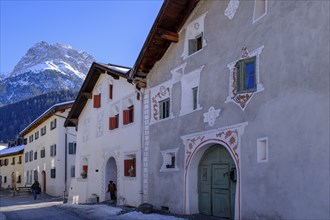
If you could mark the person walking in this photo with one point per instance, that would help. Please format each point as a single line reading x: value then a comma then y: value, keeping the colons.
x: 35, y: 189
x: 112, y: 189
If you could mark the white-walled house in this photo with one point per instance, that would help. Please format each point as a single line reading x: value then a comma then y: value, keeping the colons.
x: 50, y: 151
x: 11, y: 167
x: 236, y: 109
x: 107, y: 114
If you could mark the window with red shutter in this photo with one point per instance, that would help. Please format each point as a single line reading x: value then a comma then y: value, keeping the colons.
x: 112, y: 123
x: 129, y: 167
x: 110, y: 91
x: 126, y: 117
x: 97, y: 101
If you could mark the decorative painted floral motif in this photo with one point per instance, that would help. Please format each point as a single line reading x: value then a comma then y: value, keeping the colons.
x: 163, y: 93
x: 211, y: 116
x: 242, y: 99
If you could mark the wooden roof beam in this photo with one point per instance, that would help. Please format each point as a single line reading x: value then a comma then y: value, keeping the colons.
x: 88, y: 95
x: 168, y: 35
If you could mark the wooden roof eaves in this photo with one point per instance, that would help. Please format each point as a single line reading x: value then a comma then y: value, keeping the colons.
x: 42, y: 118
x: 167, y: 9
x: 92, y: 77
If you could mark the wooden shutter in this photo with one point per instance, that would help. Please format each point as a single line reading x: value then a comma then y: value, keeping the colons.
x: 112, y: 123
x: 97, y: 101
x: 192, y: 46
x: 110, y: 91
x: 85, y: 168
x: 131, y: 114
x: 127, y: 165
x: 126, y: 117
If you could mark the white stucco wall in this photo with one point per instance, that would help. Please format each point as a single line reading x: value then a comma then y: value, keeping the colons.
x: 54, y: 186
x: 97, y: 144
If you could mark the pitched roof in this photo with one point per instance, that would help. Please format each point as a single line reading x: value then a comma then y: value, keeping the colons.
x: 44, y: 116
x: 87, y: 87
x: 171, y: 17
x: 12, y: 151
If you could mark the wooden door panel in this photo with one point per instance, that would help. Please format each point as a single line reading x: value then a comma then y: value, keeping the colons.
x: 205, y: 190
x: 220, y: 176
x: 220, y: 203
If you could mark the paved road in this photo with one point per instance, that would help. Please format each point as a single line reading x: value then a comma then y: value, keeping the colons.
x: 24, y: 207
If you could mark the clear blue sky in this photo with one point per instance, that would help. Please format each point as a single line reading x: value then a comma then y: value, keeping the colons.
x: 111, y: 31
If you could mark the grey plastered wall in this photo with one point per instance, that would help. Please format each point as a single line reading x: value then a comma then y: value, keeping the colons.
x: 292, y: 111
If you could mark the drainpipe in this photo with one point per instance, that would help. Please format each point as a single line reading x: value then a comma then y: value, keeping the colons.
x: 141, y: 140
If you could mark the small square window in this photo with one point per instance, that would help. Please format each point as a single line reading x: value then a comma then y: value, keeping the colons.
x: 195, y: 44
x: 164, y: 109
x: 169, y: 160
x: 246, y: 75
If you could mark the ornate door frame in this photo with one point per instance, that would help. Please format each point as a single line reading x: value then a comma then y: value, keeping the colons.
x: 195, y: 146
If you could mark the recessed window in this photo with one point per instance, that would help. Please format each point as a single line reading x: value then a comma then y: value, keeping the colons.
x: 169, y: 160
x: 260, y: 9
x: 43, y: 131
x: 84, y: 171
x: 130, y: 166
x: 53, y: 173
x: 36, y: 135
x: 35, y: 155
x: 19, y: 159
x: 164, y: 109
x: 262, y: 150
x: 53, y: 150
x: 26, y: 157
x: 195, y: 44
x: 246, y: 75
x: 1, y: 162
x: 97, y: 101
x: 73, y: 171
x: 53, y: 124
x: 31, y: 155
x: 110, y: 91
x: 35, y: 175
x: 72, y: 148
x: 5, y: 179
x: 42, y: 152
x: 195, y: 95
x: 13, y: 161
x: 30, y: 138
x: 6, y: 162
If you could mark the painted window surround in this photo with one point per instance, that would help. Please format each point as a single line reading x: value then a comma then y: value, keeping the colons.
x: 255, y: 19
x: 167, y: 155
x: 242, y: 99
x: 193, y: 29
x: 188, y: 82
x: 157, y: 94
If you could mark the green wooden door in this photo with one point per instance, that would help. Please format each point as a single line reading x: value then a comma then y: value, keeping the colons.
x: 220, y: 191
x: 215, y: 187
x: 205, y: 190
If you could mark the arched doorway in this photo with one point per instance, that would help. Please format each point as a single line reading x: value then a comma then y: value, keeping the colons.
x: 13, y: 180
x: 43, y: 175
x: 217, y: 182
x: 110, y: 174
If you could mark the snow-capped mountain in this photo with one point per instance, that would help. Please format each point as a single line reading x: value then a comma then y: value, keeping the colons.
x: 45, y: 68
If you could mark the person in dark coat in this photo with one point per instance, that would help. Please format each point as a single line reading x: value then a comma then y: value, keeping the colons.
x: 35, y: 189
x: 112, y: 189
